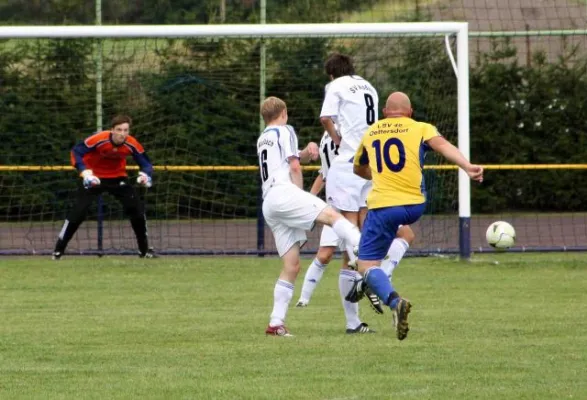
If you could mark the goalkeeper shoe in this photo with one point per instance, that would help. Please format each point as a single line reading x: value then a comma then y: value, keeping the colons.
x: 363, y: 328
x: 56, y: 255
x: 149, y: 254
x: 302, y: 304
x: 356, y: 293
x: 400, y: 317
x: 373, y: 299
x: 280, y: 330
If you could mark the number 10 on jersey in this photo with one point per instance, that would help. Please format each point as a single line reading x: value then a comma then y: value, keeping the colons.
x: 383, y: 156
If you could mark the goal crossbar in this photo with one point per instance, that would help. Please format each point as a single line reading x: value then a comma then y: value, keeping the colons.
x: 240, y: 31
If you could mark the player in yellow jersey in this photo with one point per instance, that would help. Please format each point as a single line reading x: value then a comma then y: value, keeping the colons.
x: 391, y: 154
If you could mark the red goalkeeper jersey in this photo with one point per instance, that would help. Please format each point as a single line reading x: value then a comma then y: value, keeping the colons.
x: 106, y: 159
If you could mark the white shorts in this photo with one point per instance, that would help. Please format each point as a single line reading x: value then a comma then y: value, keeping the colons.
x: 290, y: 212
x: 345, y: 190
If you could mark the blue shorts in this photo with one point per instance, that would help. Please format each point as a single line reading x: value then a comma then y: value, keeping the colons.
x: 381, y: 226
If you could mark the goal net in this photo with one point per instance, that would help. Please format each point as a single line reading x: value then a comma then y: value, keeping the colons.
x: 194, y: 100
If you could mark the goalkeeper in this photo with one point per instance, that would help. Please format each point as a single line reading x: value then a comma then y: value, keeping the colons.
x: 101, y: 162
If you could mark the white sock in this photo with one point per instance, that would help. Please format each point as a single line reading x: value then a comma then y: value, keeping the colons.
x: 394, y: 255
x: 350, y: 235
x: 346, y: 279
x: 313, y: 276
x: 282, y: 295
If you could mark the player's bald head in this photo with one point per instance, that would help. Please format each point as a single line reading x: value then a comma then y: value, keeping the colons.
x: 398, y: 105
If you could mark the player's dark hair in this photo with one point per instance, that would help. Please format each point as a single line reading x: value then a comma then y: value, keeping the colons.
x: 121, y: 119
x: 339, y: 65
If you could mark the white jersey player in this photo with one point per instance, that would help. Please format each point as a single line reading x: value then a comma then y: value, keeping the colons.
x: 352, y: 103
x: 288, y: 209
x: 329, y: 242
x: 274, y: 147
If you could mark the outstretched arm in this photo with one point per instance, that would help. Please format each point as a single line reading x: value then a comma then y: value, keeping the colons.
x: 454, y: 155
x: 318, y: 185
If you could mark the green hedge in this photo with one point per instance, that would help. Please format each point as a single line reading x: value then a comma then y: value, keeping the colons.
x: 203, y: 111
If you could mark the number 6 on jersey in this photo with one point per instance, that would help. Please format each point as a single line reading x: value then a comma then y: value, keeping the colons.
x: 263, y: 165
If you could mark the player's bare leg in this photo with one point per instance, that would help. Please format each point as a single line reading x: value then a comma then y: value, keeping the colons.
x: 283, y: 292
x: 314, y: 274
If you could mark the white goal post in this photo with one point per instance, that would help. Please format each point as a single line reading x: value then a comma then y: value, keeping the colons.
x: 380, y: 30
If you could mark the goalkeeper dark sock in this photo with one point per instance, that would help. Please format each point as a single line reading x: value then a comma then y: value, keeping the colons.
x: 60, y: 246
x: 139, y: 226
x: 67, y: 231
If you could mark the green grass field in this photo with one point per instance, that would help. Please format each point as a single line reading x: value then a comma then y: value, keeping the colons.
x: 193, y: 328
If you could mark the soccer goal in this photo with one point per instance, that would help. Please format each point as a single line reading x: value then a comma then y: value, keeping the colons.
x: 193, y: 93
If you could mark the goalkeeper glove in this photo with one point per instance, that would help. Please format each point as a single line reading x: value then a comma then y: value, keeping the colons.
x: 89, y: 179
x: 144, y: 180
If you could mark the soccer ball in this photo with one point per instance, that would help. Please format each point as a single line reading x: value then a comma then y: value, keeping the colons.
x: 501, y: 235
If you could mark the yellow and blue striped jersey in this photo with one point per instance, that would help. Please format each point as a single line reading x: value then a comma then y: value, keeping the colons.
x: 394, y: 149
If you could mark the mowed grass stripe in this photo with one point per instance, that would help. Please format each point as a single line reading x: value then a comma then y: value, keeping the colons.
x: 192, y: 328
